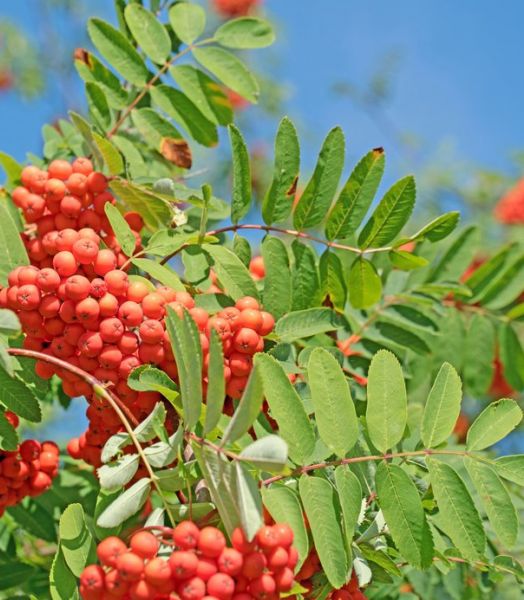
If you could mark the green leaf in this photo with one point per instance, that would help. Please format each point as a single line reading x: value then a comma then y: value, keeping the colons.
x: 157, y: 213
x: 318, y: 497
x: 91, y: 69
x: 16, y: 574
x: 179, y: 107
x: 437, y: 229
x: 305, y: 279
x: 400, y: 502
x: 496, y: 501
x: 12, y: 169
x: 148, y: 429
x: 34, y: 519
x: 279, y: 198
x: 15, y: 395
x: 163, y: 454
x: 85, y: 130
x: 390, y: 216
x: 332, y: 279
x: 335, y: 414
x: 12, y: 250
x: 249, y: 501
x: 511, y: 468
x: 242, y: 249
x: 506, y: 287
x: 206, y: 93
x: 221, y: 481
x: 365, y: 285
x: 494, y: 423
x: 9, y: 322
x: 62, y: 583
x: 283, y: 505
x: 231, y: 272
x: 118, y: 52
x: 277, y: 294
x: 406, y: 261
x: 245, y: 32
x: 76, y: 542
x: 216, y: 386
x: 511, y: 355
x: 247, y: 410
x: 161, y: 273
x: 402, y: 336
x: 115, y: 475
x: 149, y: 33
x: 267, y: 454
x: 286, y: 408
x: 154, y: 128
x: 457, y: 256
x: 187, y: 349
x: 188, y: 21
x: 356, y: 196
x: 98, y: 105
x: 126, y: 505
x: 478, y: 367
x: 386, y: 413
x: 230, y: 70
x: 109, y: 153
x: 124, y: 235
x: 442, y: 407
x: 305, y: 323
x: 316, y: 198
x: 350, y: 497
x: 149, y: 379
x: 8, y: 434
x: 241, y: 195
x: 457, y: 510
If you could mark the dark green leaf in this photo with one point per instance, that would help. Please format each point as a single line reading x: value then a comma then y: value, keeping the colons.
x: 249, y: 501
x: 34, y: 519
x: 15, y: 395
x: 457, y: 256
x: 406, y: 261
x: 316, y: 198
x: 242, y: 249
x: 241, y: 195
x: 62, y: 583
x: 402, y: 337
x: 365, y: 285
x: 98, y: 105
x: 356, y: 196
x: 386, y: 413
x: 157, y: 213
x: 478, y: 368
x: 118, y: 52
x: 305, y: 277
x: 333, y: 279
x: 286, y: 408
x: 507, y: 287
x: 91, y: 69
x: 230, y: 70
x: 149, y: 33
x: 247, y: 410
x: 439, y: 228
x: 8, y: 435
x: 279, y: 198
x: 511, y: 355
x: 390, y: 216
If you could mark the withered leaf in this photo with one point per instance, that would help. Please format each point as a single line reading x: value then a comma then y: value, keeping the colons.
x: 177, y: 151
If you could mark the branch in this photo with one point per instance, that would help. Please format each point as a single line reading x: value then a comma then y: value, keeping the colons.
x: 100, y: 390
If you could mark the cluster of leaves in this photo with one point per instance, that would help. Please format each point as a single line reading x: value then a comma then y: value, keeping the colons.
x: 374, y: 469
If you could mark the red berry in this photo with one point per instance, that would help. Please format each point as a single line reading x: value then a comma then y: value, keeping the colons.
x: 157, y: 571
x: 186, y: 535
x: 144, y: 544
x: 183, y: 564
x: 254, y: 565
x: 109, y: 550
x: 130, y: 566
x: 92, y: 578
x: 221, y: 586
x: 211, y: 542
x: 230, y: 561
x: 192, y: 589
x: 262, y: 587
x: 247, y: 302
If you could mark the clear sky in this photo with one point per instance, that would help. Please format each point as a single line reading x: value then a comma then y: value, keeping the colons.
x: 458, y: 74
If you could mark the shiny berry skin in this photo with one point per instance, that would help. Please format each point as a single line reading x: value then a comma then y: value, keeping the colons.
x: 221, y: 586
x: 144, y: 544
x: 186, y: 535
x: 183, y: 564
x: 246, y: 341
x: 211, y: 542
x: 109, y: 550
x: 130, y: 566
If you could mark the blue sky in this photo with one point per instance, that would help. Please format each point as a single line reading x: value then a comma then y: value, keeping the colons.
x: 458, y: 76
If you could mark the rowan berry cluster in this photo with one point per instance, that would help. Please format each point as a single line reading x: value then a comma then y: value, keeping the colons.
x: 26, y: 471
x: 77, y: 303
x: 194, y: 564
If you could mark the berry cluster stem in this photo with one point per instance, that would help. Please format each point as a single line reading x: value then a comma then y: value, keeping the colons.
x: 100, y: 390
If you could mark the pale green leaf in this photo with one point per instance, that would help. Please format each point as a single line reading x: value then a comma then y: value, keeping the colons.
x: 305, y: 323
x: 365, y: 285
x: 216, y: 387
x: 386, y: 413
x: 277, y: 293
x: 12, y: 250
x: 231, y: 272
x: 241, y: 194
x: 267, y: 454
x: 247, y: 410
x: 76, y: 542
x: 511, y: 468
x: 126, y: 505
x: 478, y: 367
x: 161, y: 273
x: 149, y: 33
x: 494, y: 423
x: 16, y: 396
x: 249, y: 501
x: 115, y: 475
x: 245, y: 32
x: 350, y: 497
x: 187, y: 20
x: 124, y: 235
